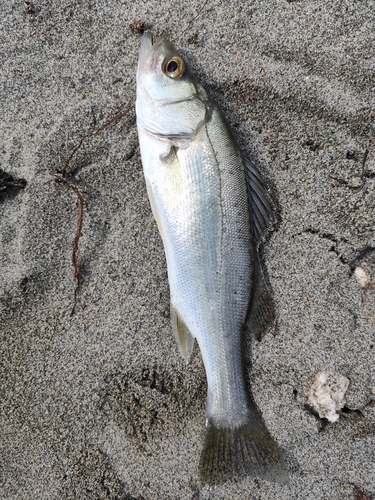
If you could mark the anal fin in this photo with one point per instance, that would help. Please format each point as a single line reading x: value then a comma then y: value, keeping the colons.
x: 184, y: 338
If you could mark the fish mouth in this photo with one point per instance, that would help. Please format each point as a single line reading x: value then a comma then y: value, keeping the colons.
x: 146, y: 53
x: 146, y: 44
x: 151, y: 50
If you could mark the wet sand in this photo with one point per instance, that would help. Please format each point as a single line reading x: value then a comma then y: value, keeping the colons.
x: 99, y: 405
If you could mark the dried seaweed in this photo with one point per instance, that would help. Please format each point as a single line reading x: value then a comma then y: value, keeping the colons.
x: 62, y: 177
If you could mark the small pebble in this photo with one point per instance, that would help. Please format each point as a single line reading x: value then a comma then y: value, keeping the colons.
x: 362, y: 276
x: 327, y: 394
x: 355, y: 182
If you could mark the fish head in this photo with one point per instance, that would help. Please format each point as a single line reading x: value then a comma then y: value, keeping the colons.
x: 170, y: 100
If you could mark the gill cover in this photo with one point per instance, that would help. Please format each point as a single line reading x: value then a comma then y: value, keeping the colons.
x: 168, y: 102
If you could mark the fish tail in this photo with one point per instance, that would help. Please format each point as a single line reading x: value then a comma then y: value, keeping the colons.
x: 248, y: 449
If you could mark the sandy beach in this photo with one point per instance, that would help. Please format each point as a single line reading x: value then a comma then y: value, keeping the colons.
x: 99, y: 404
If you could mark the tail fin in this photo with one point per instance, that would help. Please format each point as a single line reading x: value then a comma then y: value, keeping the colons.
x: 246, y: 450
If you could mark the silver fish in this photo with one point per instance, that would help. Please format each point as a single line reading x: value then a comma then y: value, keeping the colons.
x: 211, y: 208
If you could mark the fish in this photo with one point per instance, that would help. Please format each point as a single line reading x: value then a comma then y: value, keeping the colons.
x: 212, y: 210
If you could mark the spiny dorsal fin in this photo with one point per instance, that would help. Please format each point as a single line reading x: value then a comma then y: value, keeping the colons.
x: 261, y: 311
x: 261, y: 205
x: 184, y: 338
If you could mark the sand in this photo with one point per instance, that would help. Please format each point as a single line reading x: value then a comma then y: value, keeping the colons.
x: 99, y: 405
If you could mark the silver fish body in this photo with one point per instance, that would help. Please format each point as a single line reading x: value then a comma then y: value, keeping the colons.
x: 210, y: 210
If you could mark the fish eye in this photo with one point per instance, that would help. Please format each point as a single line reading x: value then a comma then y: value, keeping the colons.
x: 174, y: 67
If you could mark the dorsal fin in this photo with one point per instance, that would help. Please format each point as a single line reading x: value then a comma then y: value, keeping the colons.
x: 184, y: 338
x: 261, y: 205
x: 261, y: 311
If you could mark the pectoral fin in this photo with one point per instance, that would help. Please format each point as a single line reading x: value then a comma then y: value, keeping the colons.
x: 184, y: 338
x: 154, y: 207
